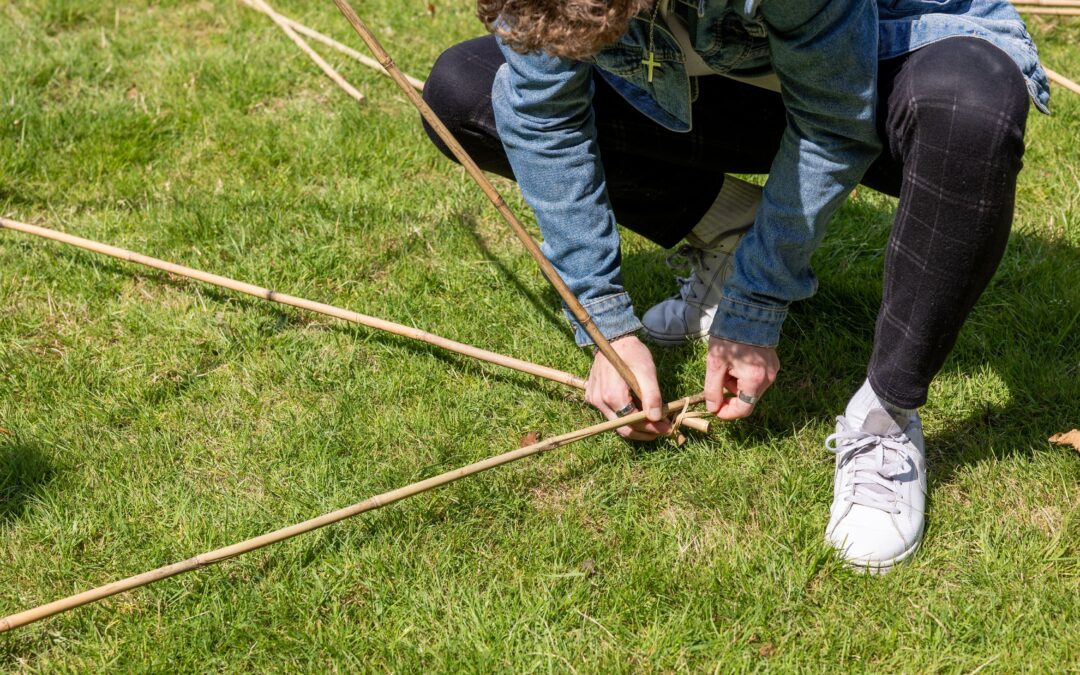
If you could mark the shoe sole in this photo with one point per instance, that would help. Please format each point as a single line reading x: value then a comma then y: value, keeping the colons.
x: 673, y: 340
x: 879, y: 567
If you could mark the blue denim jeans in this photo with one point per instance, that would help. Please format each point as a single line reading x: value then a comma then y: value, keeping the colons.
x: 824, y: 52
x: 962, y: 100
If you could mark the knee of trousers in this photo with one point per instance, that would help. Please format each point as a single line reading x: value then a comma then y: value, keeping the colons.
x: 971, y: 91
x: 446, y: 91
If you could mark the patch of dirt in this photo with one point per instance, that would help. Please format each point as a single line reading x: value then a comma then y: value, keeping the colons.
x: 300, y: 98
x: 1032, y: 510
x: 699, y: 534
x: 555, y: 498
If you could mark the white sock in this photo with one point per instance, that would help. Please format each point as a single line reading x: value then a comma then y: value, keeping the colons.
x: 866, y: 400
x: 733, y: 209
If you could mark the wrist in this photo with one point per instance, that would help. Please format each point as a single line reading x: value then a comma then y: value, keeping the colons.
x: 748, y: 323
x: 612, y: 315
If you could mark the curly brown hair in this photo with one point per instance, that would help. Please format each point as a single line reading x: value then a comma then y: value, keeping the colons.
x: 573, y: 29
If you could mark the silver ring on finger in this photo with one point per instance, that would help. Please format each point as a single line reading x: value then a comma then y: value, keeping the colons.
x: 748, y: 399
x: 626, y: 410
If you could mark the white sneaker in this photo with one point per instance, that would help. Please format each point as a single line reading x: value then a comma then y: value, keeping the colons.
x: 688, y: 314
x: 879, y: 491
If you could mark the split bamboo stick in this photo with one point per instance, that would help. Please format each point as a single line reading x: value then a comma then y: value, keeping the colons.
x: 334, y: 44
x: 385, y: 499
x: 471, y: 167
x: 1061, y: 80
x: 312, y: 306
x: 312, y: 54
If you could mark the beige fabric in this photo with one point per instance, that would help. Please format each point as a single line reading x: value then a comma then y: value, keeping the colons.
x: 734, y: 209
x: 695, y: 65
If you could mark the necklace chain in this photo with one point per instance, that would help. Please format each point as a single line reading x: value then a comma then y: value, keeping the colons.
x: 651, y: 61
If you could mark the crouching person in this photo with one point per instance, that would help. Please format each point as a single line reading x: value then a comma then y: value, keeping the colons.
x: 633, y: 111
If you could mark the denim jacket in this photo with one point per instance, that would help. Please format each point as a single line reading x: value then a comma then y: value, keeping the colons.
x: 906, y: 25
x: 824, y: 53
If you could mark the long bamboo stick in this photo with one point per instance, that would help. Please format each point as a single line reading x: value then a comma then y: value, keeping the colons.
x: 1049, y: 11
x: 1052, y: 7
x: 312, y: 54
x: 334, y: 44
x: 312, y: 306
x: 1048, y: 3
x: 1029, y: 6
x: 1060, y: 79
x: 301, y: 303
x: 492, y: 194
x: 384, y: 499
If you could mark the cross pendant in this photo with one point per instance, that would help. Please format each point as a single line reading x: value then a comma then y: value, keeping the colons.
x: 651, y: 63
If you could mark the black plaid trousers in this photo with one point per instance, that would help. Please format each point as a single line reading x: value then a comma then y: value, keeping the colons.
x: 951, y: 119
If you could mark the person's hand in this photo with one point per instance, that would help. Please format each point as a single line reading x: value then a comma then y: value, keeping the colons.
x: 607, y: 392
x: 736, y: 367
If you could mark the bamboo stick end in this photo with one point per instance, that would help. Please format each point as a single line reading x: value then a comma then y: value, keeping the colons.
x: 698, y: 424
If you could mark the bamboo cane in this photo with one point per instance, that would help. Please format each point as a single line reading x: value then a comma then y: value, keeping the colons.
x: 1061, y: 80
x: 334, y: 44
x: 318, y: 307
x: 1052, y: 7
x: 301, y: 303
x: 385, y: 499
x: 312, y: 54
x: 1049, y: 3
x: 1049, y: 11
x: 471, y: 167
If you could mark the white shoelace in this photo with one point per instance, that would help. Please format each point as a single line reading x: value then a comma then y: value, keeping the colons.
x: 872, y: 472
x: 694, y: 258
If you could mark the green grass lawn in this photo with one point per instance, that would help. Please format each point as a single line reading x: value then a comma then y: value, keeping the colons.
x: 151, y: 418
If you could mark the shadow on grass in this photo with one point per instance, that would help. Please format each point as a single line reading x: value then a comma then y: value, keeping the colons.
x: 545, y: 306
x: 24, y: 471
x: 1025, y: 330
x: 280, y: 319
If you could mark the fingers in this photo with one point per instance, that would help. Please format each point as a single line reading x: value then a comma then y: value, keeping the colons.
x: 735, y: 368
x: 735, y: 407
x: 715, y: 374
x: 632, y: 432
x: 651, y: 401
x: 607, y: 396
x: 607, y: 392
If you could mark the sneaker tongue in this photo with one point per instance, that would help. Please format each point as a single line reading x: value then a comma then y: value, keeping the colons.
x: 864, y: 403
x: 880, y: 423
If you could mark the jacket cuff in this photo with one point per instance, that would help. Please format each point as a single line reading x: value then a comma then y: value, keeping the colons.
x: 612, y: 314
x: 749, y: 323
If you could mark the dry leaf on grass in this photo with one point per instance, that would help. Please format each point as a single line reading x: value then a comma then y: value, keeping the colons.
x: 1070, y: 438
x: 132, y: 93
x: 4, y: 431
x: 431, y: 9
x: 531, y: 438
